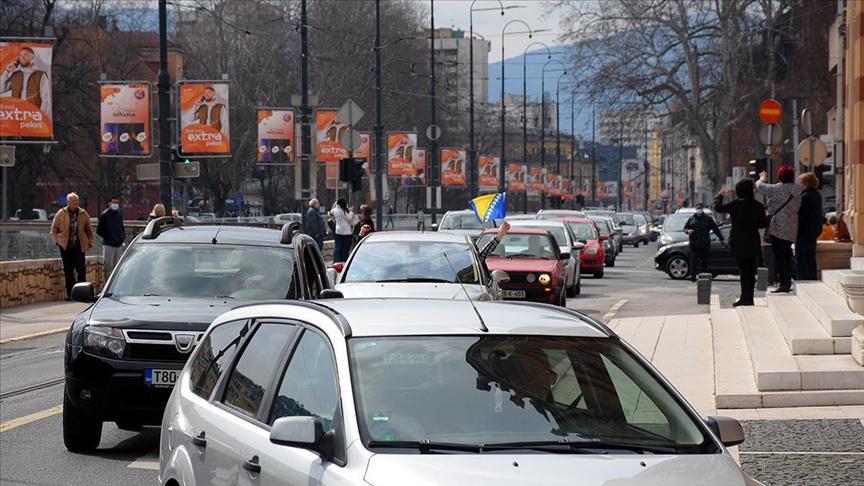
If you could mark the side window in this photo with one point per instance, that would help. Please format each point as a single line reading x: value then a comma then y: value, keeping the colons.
x: 313, y: 273
x: 639, y: 410
x: 214, y: 354
x: 308, y: 386
x: 254, y: 371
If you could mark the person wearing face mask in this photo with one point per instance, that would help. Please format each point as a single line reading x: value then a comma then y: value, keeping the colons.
x: 73, y: 234
x: 699, y: 227
x: 110, y: 229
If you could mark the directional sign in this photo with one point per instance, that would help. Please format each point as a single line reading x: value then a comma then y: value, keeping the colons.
x: 770, y: 111
x: 350, y: 113
x: 147, y: 172
x: 7, y: 156
x: 812, y: 152
x: 187, y: 171
x: 776, y: 134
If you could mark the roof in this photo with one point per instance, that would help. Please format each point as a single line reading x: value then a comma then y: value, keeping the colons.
x: 577, y: 220
x: 430, y: 236
x: 518, y: 230
x: 538, y: 222
x: 236, y: 235
x: 460, y: 211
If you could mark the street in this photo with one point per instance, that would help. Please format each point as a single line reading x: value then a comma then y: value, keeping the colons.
x: 822, y: 446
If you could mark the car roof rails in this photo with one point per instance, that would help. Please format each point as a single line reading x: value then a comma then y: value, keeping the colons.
x: 289, y: 230
x: 151, y: 232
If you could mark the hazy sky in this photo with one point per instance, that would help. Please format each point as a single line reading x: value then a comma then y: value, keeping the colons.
x: 454, y: 13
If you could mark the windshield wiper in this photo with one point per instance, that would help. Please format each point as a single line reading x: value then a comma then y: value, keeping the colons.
x: 415, y: 280
x: 579, y: 447
x: 426, y: 447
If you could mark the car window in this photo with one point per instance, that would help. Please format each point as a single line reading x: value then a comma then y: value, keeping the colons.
x: 254, y: 371
x: 583, y: 231
x: 308, y: 386
x: 638, y: 408
x: 406, y: 261
x: 213, y: 355
x: 640, y: 220
x: 625, y: 219
x: 603, y: 226
x: 515, y: 245
x: 314, y: 281
x: 461, y: 221
x: 724, y: 230
x: 558, y: 232
x: 674, y: 223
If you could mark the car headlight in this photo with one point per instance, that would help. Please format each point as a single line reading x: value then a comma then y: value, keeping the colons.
x: 544, y: 279
x: 104, y: 341
x: 591, y: 251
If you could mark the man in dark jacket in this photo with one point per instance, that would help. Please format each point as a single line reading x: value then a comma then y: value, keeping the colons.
x: 313, y: 223
x: 699, y: 227
x: 110, y: 229
x: 748, y: 216
x: 809, y: 226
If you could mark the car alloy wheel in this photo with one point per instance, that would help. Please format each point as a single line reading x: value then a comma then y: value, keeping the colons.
x: 678, y: 267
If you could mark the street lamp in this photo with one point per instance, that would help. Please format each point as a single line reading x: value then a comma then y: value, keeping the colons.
x: 525, y: 109
x: 543, y: 117
x: 503, y: 160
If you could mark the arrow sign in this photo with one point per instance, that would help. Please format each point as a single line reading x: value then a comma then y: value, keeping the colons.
x: 350, y: 113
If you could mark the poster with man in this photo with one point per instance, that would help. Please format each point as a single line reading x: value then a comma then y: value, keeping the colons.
x: 25, y: 90
x: 537, y: 179
x: 401, y: 159
x: 418, y: 178
x: 489, y: 167
x: 553, y: 185
x: 275, y: 135
x: 204, y: 122
x: 328, y: 128
x: 516, y: 175
x: 567, y: 189
x: 125, y: 120
x: 453, y: 163
x: 363, y: 152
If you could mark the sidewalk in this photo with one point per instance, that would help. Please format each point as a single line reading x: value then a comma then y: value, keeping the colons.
x: 39, y: 319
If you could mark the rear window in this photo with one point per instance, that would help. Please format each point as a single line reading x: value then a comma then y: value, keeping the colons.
x: 461, y: 221
x: 625, y: 219
x: 558, y: 233
x: 602, y: 226
x: 583, y: 231
x: 674, y: 223
x: 516, y: 245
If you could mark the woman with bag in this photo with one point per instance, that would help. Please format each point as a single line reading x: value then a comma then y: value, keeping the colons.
x: 784, y: 200
x: 748, y: 215
x: 343, y: 233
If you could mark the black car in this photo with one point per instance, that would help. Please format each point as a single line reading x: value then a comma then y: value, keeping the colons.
x: 674, y: 259
x: 124, y: 352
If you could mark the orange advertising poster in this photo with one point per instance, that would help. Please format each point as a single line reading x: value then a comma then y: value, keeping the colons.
x: 419, y: 177
x: 275, y: 135
x: 25, y: 90
x: 204, y: 121
x: 328, y: 128
x: 567, y: 189
x: 401, y: 159
x: 453, y: 162
x: 537, y: 179
x: 516, y: 175
x: 363, y: 152
x: 489, y: 167
x: 553, y: 184
x: 125, y: 120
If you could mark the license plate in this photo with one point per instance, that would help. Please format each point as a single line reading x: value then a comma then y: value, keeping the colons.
x: 160, y: 378
x: 514, y: 294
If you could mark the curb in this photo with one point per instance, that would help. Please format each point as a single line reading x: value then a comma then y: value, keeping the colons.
x: 34, y: 335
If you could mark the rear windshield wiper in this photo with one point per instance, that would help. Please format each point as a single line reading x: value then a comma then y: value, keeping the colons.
x: 415, y: 280
x: 580, y: 447
x: 426, y: 447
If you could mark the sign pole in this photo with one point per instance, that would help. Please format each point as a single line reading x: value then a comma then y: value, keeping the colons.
x: 164, y: 85
x: 4, y: 214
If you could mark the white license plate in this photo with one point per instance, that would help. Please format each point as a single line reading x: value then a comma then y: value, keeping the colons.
x: 161, y: 378
x: 514, y: 294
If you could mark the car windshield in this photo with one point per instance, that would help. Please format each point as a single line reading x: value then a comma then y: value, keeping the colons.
x: 461, y: 221
x: 515, y: 390
x: 558, y: 232
x: 515, y: 245
x: 602, y: 226
x: 412, y: 261
x: 625, y: 219
x: 583, y: 231
x: 189, y: 270
x: 674, y: 223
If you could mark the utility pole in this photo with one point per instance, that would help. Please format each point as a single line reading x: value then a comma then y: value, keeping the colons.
x: 472, y: 149
x: 163, y: 93
x: 434, y: 164
x: 305, y: 119
x: 379, y: 142
x: 620, y: 161
x: 593, y: 160
x: 647, y: 167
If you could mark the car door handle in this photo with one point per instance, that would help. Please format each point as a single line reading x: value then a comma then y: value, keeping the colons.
x: 200, y: 440
x: 252, y: 465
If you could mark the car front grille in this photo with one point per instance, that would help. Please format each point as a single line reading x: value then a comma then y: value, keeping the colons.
x: 518, y: 278
x: 155, y: 352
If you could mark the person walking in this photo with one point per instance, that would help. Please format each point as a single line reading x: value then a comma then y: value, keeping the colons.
x: 344, y: 219
x: 810, y: 219
x: 313, y: 223
x: 784, y: 199
x: 72, y: 232
x: 390, y: 211
x: 110, y: 229
x: 698, y: 228
x: 748, y: 216
x: 364, y: 225
x: 157, y: 212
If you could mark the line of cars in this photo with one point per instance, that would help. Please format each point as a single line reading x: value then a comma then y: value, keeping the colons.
x: 258, y: 371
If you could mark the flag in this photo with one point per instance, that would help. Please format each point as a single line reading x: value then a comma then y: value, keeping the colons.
x: 489, y: 207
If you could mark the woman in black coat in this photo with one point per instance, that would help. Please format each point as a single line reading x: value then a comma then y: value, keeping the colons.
x: 748, y: 216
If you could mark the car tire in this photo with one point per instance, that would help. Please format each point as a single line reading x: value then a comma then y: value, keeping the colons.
x: 678, y: 267
x: 81, y: 433
x: 578, y: 289
x: 563, y: 300
x: 598, y: 273
x: 571, y: 291
x: 636, y: 245
x: 611, y: 263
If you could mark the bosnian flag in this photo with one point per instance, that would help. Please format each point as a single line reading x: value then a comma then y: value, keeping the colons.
x: 489, y: 207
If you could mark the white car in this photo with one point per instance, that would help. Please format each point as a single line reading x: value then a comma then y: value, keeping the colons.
x: 463, y: 222
x: 567, y: 243
x: 283, y: 218
x: 414, y: 264
x: 388, y: 392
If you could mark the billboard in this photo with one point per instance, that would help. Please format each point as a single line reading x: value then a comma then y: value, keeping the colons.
x: 328, y: 128
x: 607, y: 189
x: 567, y: 189
x: 453, y: 162
x: 537, y: 179
x: 204, y: 122
x: 25, y: 90
x: 363, y: 152
x: 275, y: 135
x: 400, y: 154
x: 419, y: 177
x: 124, y: 122
x: 516, y: 175
x: 553, y: 184
x: 489, y: 167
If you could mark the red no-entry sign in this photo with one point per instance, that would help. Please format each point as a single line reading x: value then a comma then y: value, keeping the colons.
x: 770, y: 111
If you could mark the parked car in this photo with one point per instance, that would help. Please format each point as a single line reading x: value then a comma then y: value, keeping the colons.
x: 592, y: 257
x: 412, y: 264
x: 125, y: 351
x: 283, y: 218
x: 534, y: 263
x: 692, y: 211
x: 634, y: 228
x: 567, y: 244
x: 673, y: 229
x: 604, y: 226
x: 653, y: 229
x: 34, y: 214
x: 393, y: 392
x: 675, y: 260
x: 617, y: 231
x: 559, y: 213
x: 462, y: 222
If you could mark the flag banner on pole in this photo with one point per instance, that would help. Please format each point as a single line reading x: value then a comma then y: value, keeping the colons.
x: 489, y: 207
x: 489, y: 166
x: 516, y: 175
x: 25, y: 89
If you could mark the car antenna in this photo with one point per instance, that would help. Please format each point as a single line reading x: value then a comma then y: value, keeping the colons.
x: 470, y: 301
x: 217, y: 232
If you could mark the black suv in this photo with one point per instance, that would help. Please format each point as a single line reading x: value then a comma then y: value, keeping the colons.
x: 124, y: 352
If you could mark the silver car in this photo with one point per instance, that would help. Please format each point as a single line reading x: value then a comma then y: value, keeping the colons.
x: 421, y: 265
x: 408, y: 392
x: 568, y: 244
x: 462, y: 222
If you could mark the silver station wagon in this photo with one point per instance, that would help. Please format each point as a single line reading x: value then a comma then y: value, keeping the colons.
x: 420, y: 392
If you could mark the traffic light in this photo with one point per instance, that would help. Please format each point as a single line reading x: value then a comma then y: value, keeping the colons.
x: 757, y: 166
x: 351, y: 170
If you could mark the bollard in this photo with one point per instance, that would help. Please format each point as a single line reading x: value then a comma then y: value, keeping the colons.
x: 762, y: 278
x: 703, y: 289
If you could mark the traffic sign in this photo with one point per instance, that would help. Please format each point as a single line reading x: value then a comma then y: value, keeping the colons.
x: 812, y: 152
x: 776, y: 134
x: 187, y: 170
x: 147, y: 172
x: 350, y: 113
x: 770, y: 111
x: 350, y: 139
x: 7, y: 156
x: 433, y: 132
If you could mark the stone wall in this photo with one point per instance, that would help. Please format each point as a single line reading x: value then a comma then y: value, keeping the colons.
x: 31, y: 281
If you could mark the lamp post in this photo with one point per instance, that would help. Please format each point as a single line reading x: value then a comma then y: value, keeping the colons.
x: 543, y: 118
x: 503, y: 161
x: 525, y: 109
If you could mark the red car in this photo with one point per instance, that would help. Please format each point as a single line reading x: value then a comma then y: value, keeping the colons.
x: 593, y: 256
x: 534, y: 262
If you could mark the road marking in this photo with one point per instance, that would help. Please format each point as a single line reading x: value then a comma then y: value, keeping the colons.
x: 29, y: 419
x: 805, y: 453
x: 608, y: 316
x: 34, y: 335
x: 149, y: 461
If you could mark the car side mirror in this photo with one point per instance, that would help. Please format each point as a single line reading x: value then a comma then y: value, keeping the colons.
x: 434, y: 227
x: 579, y: 245
x: 303, y: 432
x: 331, y: 294
x: 500, y: 276
x: 332, y: 276
x: 727, y: 429
x: 565, y: 255
x: 83, y: 292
